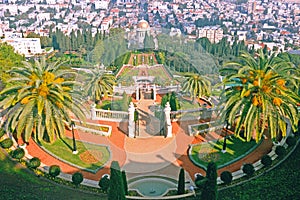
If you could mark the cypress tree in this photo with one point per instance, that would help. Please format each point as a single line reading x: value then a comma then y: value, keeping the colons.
x: 181, y: 182
x: 209, y: 191
x: 116, y: 186
x: 125, y: 182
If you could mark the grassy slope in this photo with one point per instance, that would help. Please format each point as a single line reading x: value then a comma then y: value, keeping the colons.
x: 281, y: 183
x: 18, y: 183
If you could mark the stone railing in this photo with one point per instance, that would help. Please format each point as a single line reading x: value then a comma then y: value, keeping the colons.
x: 211, y: 126
x: 199, y: 113
x: 108, y: 115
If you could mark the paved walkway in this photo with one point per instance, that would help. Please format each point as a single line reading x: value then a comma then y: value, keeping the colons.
x: 155, y: 155
x: 145, y: 156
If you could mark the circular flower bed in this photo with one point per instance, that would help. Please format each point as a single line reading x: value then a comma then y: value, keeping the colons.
x: 91, y: 156
x: 208, y: 154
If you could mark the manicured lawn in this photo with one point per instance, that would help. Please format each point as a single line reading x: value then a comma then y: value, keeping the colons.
x: 17, y: 182
x: 90, y: 157
x: 282, y: 182
x: 204, y: 153
x: 111, y: 105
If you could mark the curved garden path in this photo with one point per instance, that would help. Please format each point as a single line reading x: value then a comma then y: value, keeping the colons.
x: 141, y: 156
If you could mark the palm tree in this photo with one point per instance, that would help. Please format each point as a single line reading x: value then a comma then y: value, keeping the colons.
x: 40, y: 100
x: 259, y: 95
x: 100, y: 84
x: 197, y: 86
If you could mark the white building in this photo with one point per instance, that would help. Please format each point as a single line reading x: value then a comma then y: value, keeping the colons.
x: 25, y: 46
x: 213, y: 33
x: 101, y: 4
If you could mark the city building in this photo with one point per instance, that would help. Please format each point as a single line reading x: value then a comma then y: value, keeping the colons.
x: 213, y: 33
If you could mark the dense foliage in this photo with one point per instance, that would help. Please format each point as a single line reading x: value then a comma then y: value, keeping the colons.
x: 40, y: 101
x: 34, y: 163
x: 266, y: 160
x: 6, y: 143
x: 104, y: 183
x: 18, y: 153
x: 77, y: 178
x: 54, y: 170
x: 226, y: 176
x: 209, y: 190
x: 116, y: 185
x: 248, y: 169
x: 260, y: 95
x: 181, y: 182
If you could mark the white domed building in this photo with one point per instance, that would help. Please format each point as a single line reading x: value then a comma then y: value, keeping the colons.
x: 143, y: 28
x: 137, y: 36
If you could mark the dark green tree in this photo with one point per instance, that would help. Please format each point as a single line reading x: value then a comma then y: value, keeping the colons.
x: 181, y: 182
x: 116, y: 186
x: 174, y: 104
x: 209, y: 191
x: 125, y: 182
x: 148, y: 42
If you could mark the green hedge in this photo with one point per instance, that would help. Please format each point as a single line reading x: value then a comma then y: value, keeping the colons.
x: 6, y: 143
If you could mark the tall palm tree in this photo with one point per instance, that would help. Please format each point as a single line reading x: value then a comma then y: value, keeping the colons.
x: 40, y: 101
x: 259, y: 95
x: 100, y: 84
x: 197, y: 86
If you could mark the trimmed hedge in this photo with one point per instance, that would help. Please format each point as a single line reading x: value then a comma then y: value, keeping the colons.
x: 280, y: 151
x: 248, y: 169
x: 34, y: 163
x: 18, y: 153
x: 226, y: 177
x: 266, y: 160
x: 77, y: 178
x: 54, y: 170
x: 6, y: 143
x: 2, y: 132
x: 104, y: 183
x: 291, y: 141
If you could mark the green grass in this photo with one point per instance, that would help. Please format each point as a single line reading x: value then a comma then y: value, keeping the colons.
x: 111, y: 105
x: 281, y: 183
x: 204, y: 153
x: 63, y: 150
x: 17, y: 182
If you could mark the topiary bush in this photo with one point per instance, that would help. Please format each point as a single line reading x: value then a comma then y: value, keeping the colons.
x: 54, y: 170
x: 266, y: 160
x: 2, y: 132
x: 291, y: 141
x: 104, y: 183
x: 199, y: 180
x: 6, y: 143
x: 18, y: 153
x: 280, y: 151
x: 226, y: 177
x: 34, y: 163
x: 248, y: 169
x: 77, y: 178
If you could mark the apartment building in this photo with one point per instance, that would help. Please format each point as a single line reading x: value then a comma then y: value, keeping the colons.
x: 213, y: 33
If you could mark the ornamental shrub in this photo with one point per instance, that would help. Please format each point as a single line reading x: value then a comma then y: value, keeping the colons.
x: 6, y: 143
x: 77, y: 178
x: 199, y: 181
x: 291, y: 141
x: 18, y: 153
x: 280, y: 151
x: 181, y: 182
x: 226, y: 177
x: 266, y: 160
x: 2, y: 132
x: 34, y: 163
x: 104, y: 183
x: 248, y: 169
x: 54, y: 170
